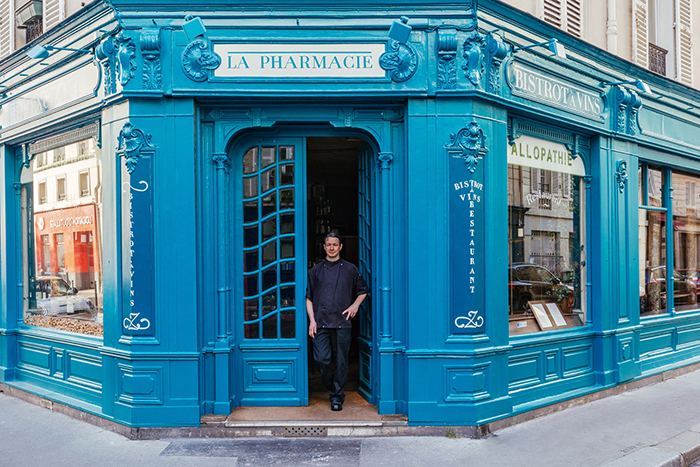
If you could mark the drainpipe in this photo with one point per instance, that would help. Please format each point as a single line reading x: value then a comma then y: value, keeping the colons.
x: 611, y: 31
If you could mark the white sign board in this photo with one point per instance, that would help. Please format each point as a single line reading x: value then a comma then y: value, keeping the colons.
x: 542, y: 154
x: 285, y: 61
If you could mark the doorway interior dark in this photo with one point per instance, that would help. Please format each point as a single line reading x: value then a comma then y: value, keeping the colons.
x: 332, y: 203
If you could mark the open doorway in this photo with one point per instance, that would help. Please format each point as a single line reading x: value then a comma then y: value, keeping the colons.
x: 335, y: 191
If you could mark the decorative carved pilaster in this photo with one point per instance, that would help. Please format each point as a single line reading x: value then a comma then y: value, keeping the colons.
x: 621, y: 175
x: 198, y: 59
x: 473, y: 55
x: 384, y: 160
x: 632, y: 121
x: 468, y: 143
x: 400, y: 60
x: 447, y: 59
x: 625, y: 109
x: 131, y: 142
x: 150, y: 51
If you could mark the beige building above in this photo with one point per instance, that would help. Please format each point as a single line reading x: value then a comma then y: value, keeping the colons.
x: 654, y: 34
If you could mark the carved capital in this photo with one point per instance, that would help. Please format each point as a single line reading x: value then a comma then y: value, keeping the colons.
x: 447, y: 59
x: 198, y: 59
x: 400, y: 60
x: 222, y: 161
x: 131, y: 143
x: 384, y: 160
x: 468, y: 143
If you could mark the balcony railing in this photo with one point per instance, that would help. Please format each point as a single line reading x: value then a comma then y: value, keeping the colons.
x: 657, y: 59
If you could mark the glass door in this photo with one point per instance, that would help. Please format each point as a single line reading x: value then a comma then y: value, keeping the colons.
x: 269, y: 246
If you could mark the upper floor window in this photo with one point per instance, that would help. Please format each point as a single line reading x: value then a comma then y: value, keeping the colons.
x: 564, y: 14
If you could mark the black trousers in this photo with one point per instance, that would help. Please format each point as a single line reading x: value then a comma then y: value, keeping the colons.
x: 331, y: 349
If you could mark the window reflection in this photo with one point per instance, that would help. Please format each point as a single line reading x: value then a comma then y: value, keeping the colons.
x: 546, y: 250
x: 61, y: 204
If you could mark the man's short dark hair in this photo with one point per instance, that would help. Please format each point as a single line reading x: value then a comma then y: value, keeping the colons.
x: 333, y: 234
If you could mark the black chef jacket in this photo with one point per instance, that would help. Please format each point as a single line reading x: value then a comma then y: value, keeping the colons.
x: 332, y: 287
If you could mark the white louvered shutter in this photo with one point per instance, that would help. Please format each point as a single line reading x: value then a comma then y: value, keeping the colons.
x: 552, y: 12
x: 5, y: 30
x: 684, y: 39
x: 640, y: 33
x: 54, y: 13
x: 574, y: 18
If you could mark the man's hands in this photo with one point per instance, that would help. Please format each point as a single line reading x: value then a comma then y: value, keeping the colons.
x: 351, y: 311
x: 312, y: 328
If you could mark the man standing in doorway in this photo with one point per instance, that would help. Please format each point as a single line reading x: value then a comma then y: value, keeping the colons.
x: 333, y: 296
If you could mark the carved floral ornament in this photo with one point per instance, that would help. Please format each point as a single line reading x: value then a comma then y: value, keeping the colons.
x: 621, y: 175
x: 131, y: 142
x: 468, y: 143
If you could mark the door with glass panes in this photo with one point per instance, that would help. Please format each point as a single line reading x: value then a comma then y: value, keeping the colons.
x: 269, y: 275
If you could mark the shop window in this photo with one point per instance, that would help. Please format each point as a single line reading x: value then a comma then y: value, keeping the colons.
x: 546, y: 238
x: 61, y: 188
x: 62, y: 245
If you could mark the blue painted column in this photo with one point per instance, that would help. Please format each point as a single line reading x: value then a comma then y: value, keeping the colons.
x: 221, y: 350
x: 386, y: 343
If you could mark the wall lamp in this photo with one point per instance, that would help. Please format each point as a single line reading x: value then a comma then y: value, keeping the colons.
x: 638, y: 83
x: 40, y: 52
x: 553, y: 45
x: 400, y: 30
x: 193, y: 27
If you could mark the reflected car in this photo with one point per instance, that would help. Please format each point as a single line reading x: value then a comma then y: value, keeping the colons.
x: 528, y: 281
x: 684, y: 289
x: 56, y: 297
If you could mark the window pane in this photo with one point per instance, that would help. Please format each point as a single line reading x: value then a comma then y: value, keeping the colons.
x: 268, y: 180
x: 287, y: 323
x: 655, y: 187
x: 268, y: 157
x: 269, y: 229
x: 250, y: 161
x: 546, y: 252
x: 251, y: 261
x: 250, y: 211
x: 287, y: 223
x: 61, y: 239
x: 287, y: 198
x: 250, y: 285
x: 287, y: 272
x: 250, y: 187
x: 287, y: 247
x: 269, y: 278
x: 286, y: 153
x: 269, y: 204
x: 250, y: 236
x: 270, y: 327
x: 287, y: 174
x: 686, y: 235
x: 652, y: 258
x: 269, y: 253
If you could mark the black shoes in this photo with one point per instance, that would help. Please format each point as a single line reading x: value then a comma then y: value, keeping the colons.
x: 336, y: 406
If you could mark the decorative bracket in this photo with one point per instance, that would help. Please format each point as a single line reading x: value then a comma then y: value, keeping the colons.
x: 496, y: 52
x: 198, y: 59
x: 400, y: 60
x: 473, y: 55
x: 575, y: 146
x: 150, y: 52
x: 131, y: 142
x: 125, y: 57
x: 626, y: 106
x: 468, y: 143
x: 621, y: 174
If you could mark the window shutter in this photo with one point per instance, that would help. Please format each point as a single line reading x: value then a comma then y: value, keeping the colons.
x: 552, y: 12
x: 574, y: 18
x: 684, y: 39
x: 555, y: 188
x: 640, y: 33
x: 566, y: 186
x: 534, y: 180
x: 53, y: 13
x: 5, y: 36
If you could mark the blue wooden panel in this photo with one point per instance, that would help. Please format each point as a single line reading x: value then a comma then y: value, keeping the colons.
x: 84, y: 370
x: 467, y: 383
x: 656, y: 342
x: 34, y: 357
x: 524, y: 370
x: 688, y: 336
x: 577, y: 360
x: 140, y: 385
x: 269, y: 375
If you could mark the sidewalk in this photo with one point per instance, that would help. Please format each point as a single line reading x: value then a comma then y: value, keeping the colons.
x: 657, y: 425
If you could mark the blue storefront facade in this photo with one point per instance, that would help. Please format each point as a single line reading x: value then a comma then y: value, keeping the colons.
x: 488, y: 195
